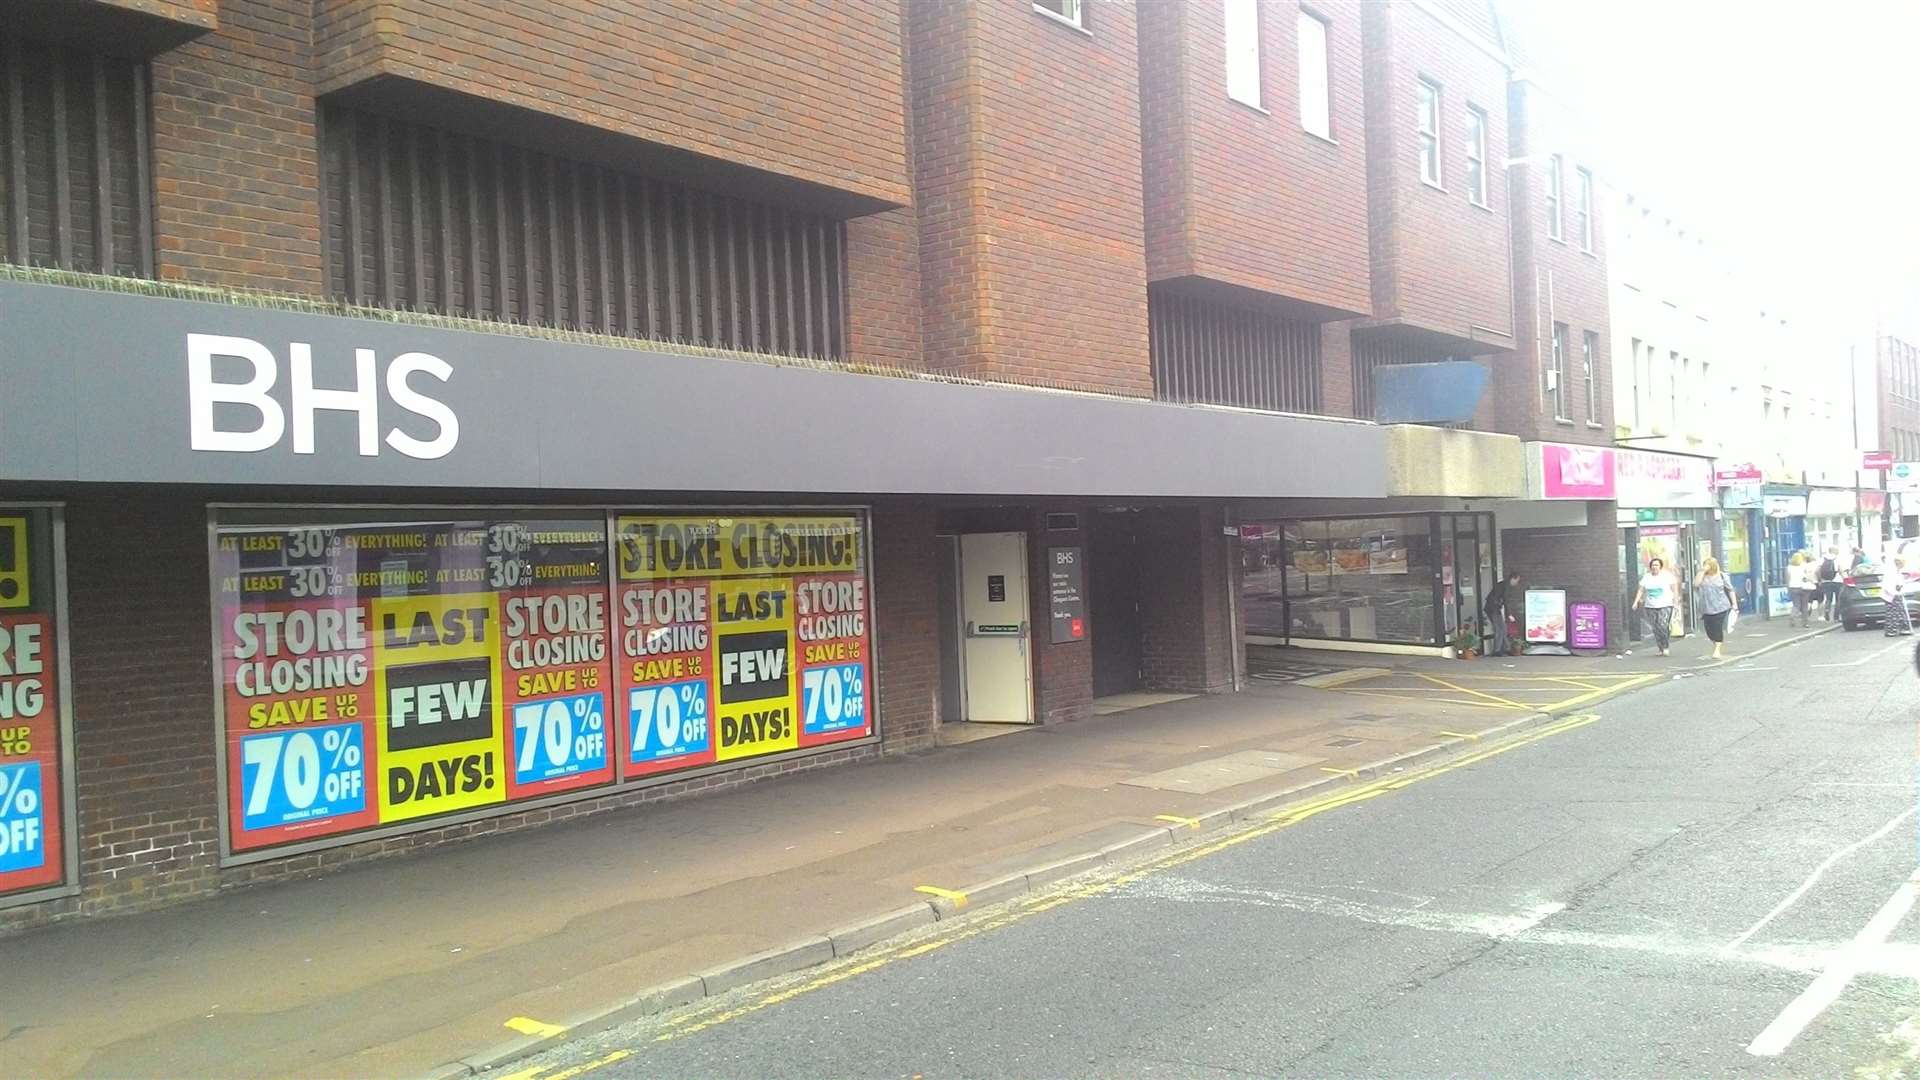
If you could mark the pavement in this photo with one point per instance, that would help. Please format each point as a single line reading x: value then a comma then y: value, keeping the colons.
x: 474, y: 954
x: 1713, y: 875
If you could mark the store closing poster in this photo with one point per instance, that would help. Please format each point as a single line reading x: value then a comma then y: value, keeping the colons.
x: 383, y: 673
x: 740, y: 636
x: 32, y: 855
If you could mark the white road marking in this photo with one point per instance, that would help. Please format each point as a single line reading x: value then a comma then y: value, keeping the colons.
x: 1825, y: 865
x: 1866, y: 658
x: 1848, y: 962
x: 1896, y: 960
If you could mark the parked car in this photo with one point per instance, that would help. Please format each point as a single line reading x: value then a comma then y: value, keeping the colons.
x: 1863, y: 596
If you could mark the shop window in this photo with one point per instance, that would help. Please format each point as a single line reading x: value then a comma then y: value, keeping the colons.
x: 75, y: 160
x: 424, y: 219
x: 385, y: 671
x: 1342, y: 579
x: 1221, y: 355
x: 37, y: 856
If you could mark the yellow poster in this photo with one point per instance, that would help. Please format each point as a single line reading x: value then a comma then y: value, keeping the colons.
x: 753, y: 667
x: 686, y: 546
x: 437, y: 681
x: 14, y: 571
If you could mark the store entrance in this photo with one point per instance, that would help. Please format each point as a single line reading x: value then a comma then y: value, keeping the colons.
x: 1113, y: 600
x: 1466, y: 573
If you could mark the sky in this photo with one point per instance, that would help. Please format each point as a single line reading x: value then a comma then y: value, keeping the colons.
x: 1787, y: 134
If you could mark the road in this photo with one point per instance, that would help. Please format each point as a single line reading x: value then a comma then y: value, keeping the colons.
x: 1711, y: 877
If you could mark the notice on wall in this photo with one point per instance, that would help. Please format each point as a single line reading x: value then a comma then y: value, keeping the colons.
x: 383, y: 673
x: 1587, y: 624
x: 32, y: 855
x: 740, y: 636
x: 1067, y: 594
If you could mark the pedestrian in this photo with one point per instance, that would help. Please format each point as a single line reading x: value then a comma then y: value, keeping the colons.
x: 1829, y: 582
x: 1800, y: 587
x: 1656, y: 597
x: 1495, y: 609
x: 1859, y: 558
x: 1714, y: 593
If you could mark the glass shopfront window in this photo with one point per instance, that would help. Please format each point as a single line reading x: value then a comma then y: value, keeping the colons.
x: 1343, y: 579
x: 37, y: 854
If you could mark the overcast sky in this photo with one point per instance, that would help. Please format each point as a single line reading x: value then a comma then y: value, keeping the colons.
x: 1788, y: 134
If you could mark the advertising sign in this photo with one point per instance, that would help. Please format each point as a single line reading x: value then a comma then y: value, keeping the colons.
x: 1786, y: 505
x: 1546, y: 617
x: 382, y: 673
x: 1587, y: 622
x: 1743, y: 473
x: 1903, y: 476
x: 1566, y: 471
x: 1652, y: 478
x: 1066, y: 593
x: 740, y: 636
x: 33, y: 784
x: 1876, y: 459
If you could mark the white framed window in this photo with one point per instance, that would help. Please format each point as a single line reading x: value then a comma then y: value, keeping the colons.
x: 1316, y: 95
x: 1477, y: 155
x: 1071, y: 12
x: 1427, y: 117
x: 1556, y: 187
x: 1557, y: 375
x: 1243, y: 51
x: 1589, y: 350
x: 1583, y: 208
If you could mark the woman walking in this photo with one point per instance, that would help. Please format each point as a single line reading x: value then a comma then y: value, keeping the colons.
x: 1715, y: 596
x: 1656, y: 597
x: 1800, y: 586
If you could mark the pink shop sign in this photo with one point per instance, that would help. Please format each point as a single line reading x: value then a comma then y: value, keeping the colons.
x: 1576, y: 472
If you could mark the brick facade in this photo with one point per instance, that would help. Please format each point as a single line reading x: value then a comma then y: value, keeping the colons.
x: 1440, y: 262
x: 1245, y: 195
x: 1585, y: 561
x: 1187, y: 642
x: 816, y: 98
x: 1028, y: 187
x: 1557, y: 279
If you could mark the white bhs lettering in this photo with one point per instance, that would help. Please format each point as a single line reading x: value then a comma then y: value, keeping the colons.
x: 363, y: 399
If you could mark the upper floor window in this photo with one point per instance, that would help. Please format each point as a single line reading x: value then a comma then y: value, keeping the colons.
x: 1243, y: 51
x: 425, y: 219
x: 75, y: 160
x: 1556, y: 186
x: 1428, y: 119
x: 1583, y: 208
x: 1316, y: 98
x: 1589, y: 351
x: 1557, y: 374
x: 1477, y: 155
x: 1069, y: 11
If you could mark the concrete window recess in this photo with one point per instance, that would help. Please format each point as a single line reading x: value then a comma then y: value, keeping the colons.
x: 380, y: 670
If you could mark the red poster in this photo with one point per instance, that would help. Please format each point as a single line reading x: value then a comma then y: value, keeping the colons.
x: 558, y: 686
x: 666, y: 675
x: 31, y: 853
x: 836, y: 668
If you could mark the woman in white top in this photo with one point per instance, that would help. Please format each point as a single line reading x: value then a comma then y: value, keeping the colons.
x: 1658, y: 591
x: 1800, y: 584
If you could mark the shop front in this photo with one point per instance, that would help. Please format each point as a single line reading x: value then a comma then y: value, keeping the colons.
x: 1390, y: 583
x: 1666, y: 511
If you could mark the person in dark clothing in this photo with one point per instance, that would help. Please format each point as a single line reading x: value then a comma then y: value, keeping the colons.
x: 1829, y: 579
x: 1495, y: 609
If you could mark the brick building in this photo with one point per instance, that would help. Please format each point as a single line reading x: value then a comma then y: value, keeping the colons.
x: 438, y: 426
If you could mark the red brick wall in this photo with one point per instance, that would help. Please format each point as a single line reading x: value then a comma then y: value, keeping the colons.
x: 1029, y: 193
x: 1440, y: 263
x: 1555, y: 281
x: 1186, y: 641
x: 905, y: 560
x: 1585, y: 561
x: 191, y: 12
x: 803, y: 88
x: 883, y: 272
x: 1219, y: 172
x: 236, y: 166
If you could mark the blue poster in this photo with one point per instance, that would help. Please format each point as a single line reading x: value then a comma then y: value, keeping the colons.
x: 22, y: 821
x: 668, y: 721
x: 302, y: 775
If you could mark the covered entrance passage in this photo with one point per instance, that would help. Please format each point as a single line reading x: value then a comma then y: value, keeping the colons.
x: 1113, y: 600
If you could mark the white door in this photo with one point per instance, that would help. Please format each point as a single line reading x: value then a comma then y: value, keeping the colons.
x: 996, y: 627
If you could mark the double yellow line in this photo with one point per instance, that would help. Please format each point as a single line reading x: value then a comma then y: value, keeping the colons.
x: 696, y: 1020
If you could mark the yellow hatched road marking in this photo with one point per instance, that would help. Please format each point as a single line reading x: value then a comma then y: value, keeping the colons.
x: 1509, y: 702
x: 1033, y: 905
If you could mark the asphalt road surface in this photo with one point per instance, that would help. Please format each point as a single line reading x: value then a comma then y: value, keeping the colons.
x: 1711, y: 878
